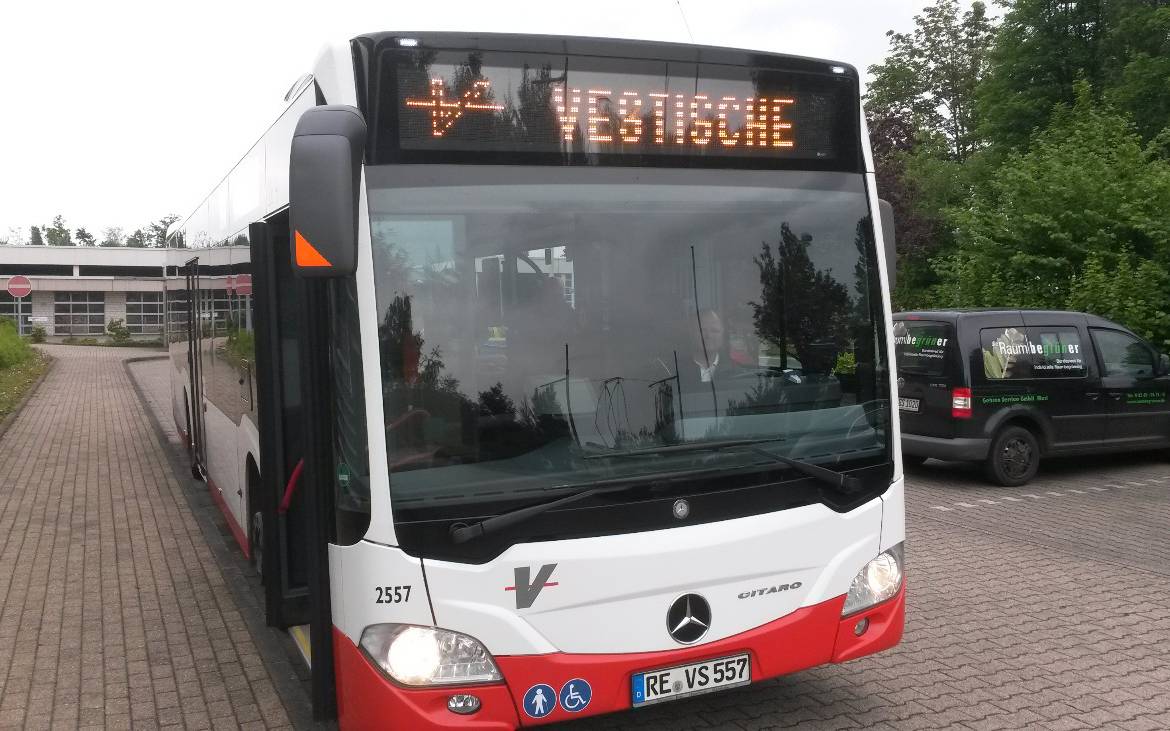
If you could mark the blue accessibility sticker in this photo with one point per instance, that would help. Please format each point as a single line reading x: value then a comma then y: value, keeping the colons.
x: 540, y: 700
x: 575, y: 695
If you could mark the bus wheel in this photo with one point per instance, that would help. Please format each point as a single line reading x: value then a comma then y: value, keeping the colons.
x: 1014, y: 458
x: 258, y: 543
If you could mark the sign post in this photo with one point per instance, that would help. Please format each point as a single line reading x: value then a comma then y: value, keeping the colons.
x: 19, y: 287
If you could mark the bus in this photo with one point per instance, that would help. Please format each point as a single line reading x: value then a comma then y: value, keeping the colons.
x: 544, y: 377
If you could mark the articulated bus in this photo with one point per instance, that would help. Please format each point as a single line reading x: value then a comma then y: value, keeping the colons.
x: 544, y: 377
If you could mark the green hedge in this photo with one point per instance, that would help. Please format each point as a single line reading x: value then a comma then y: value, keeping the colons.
x: 13, y: 349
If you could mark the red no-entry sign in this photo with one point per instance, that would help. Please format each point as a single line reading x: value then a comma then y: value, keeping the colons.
x: 19, y: 286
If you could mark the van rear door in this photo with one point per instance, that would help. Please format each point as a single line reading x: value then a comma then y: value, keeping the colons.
x: 928, y: 367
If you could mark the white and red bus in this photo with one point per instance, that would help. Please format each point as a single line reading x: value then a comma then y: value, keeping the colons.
x: 546, y: 377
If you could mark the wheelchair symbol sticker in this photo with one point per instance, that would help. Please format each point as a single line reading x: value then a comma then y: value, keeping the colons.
x: 575, y: 695
x: 540, y: 700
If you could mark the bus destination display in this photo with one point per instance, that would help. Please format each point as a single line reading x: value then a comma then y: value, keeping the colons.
x: 564, y: 104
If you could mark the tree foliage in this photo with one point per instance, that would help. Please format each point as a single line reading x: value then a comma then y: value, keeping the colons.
x: 1043, y: 47
x: 34, y: 236
x: 84, y: 238
x: 930, y: 76
x: 58, y: 234
x: 1087, y: 197
x: 112, y: 237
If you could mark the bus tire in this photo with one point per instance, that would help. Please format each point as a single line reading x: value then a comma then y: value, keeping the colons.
x: 1014, y: 458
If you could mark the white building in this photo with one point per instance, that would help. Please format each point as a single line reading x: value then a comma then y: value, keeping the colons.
x: 78, y: 290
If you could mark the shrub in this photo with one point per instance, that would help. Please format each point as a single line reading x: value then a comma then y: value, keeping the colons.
x: 119, y: 333
x: 38, y: 334
x: 13, y: 349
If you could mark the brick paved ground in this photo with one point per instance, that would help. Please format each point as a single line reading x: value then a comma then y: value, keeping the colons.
x: 1044, y: 606
x: 114, y: 612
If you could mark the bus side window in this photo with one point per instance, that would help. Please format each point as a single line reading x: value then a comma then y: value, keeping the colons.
x: 351, y: 463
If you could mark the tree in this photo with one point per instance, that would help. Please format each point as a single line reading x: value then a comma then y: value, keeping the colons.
x: 930, y: 76
x: 157, y: 231
x: 34, y: 236
x: 58, y: 234
x: 1120, y: 47
x: 1086, y: 194
x: 799, y: 306
x: 112, y: 237
x: 84, y: 238
x: 137, y: 240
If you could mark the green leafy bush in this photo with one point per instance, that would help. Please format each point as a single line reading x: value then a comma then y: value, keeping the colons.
x: 13, y: 349
x: 38, y: 334
x: 119, y: 333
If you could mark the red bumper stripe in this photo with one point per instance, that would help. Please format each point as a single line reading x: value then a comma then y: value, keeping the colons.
x: 806, y: 638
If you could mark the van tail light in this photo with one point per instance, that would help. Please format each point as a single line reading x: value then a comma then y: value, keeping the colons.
x: 961, y: 403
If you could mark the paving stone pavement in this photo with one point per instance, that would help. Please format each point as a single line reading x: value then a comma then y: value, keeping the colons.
x: 114, y: 612
x: 1043, y: 606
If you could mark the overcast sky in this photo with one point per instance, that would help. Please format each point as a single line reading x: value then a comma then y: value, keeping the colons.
x: 117, y: 113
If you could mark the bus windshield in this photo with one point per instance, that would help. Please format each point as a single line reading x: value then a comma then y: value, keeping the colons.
x: 533, y: 321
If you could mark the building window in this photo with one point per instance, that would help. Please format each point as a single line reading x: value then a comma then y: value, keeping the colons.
x: 8, y: 307
x: 79, y: 313
x: 144, y: 313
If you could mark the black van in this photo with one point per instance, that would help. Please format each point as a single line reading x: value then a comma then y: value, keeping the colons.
x: 1006, y: 387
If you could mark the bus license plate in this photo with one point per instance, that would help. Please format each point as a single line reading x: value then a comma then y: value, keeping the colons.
x: 908, y: 404
x: 686, y: 680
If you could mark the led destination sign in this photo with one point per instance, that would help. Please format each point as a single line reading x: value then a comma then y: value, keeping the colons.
x: 657, y: 119
x: 522, y: 102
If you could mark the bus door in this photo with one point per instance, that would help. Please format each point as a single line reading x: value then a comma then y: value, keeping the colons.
x: 277, y: 296
x: 292, y: 387
x: 195, y: 405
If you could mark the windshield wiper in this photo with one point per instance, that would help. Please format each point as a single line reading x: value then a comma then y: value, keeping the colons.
x: 839, y: 480
x: 464, y: 533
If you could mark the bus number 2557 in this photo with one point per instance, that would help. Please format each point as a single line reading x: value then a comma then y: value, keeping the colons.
x: 392, y: 594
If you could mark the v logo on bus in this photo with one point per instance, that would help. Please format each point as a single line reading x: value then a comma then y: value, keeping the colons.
x: 527, y: 590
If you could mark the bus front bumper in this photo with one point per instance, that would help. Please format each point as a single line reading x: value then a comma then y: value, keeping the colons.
x: 808, y: 637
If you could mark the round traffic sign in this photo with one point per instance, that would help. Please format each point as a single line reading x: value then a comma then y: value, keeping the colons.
x: 19, y: 286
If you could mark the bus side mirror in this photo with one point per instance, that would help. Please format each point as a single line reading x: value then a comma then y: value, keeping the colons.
x: 886, y: 213
x: 324, y: 179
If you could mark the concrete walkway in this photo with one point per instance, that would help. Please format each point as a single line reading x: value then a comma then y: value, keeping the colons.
x: 114, y: 610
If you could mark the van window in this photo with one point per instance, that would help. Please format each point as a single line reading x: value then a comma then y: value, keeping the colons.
x: 1014, y: 353
x: 1058, y: 352
x: 1006, y: 353
x: 922, y: 347
x: 1123, y: 354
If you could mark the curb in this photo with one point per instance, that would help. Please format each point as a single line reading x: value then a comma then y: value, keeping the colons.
x: 277, y: 650
x: 7, y: 422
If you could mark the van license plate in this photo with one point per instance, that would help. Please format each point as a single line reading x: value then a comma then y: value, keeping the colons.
x: 687, y: 680
x: 908, y: 404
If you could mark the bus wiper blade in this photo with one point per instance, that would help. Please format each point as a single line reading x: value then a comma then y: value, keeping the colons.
x: 839, y: 480
x: 712, y: 446
x: 464, y: 533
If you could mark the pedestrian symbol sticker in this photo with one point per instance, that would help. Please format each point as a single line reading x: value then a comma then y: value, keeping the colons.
x: 540, y: 700
x: 575, y: 695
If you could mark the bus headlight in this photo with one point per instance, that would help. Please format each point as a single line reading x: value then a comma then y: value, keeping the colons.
x: 414, y: 655
x: 878, y: 581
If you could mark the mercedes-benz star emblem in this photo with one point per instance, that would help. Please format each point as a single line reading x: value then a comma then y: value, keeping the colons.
x: 688, y: 619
